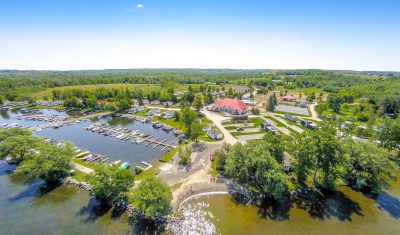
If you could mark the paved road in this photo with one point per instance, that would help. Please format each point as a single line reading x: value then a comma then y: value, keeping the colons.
x: 216, y: 118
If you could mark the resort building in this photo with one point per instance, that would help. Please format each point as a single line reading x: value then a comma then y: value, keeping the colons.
x: 236, y: 108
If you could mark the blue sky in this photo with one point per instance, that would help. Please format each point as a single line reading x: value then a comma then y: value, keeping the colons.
x: 101, y: 34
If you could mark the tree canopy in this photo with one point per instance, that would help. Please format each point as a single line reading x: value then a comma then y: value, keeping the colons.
x: 110, y: 182
x: 152, y: 198
x: 49, y: 162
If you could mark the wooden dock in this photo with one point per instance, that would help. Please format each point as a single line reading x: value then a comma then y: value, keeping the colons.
x: 157, y: 142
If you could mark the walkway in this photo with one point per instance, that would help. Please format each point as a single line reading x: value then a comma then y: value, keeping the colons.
x: 216, y: 118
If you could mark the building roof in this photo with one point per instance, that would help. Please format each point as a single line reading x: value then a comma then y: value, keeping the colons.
x: 288, y: 98
x: 230, y: 103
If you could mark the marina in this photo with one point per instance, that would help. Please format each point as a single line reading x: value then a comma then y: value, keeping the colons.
x: 122, y: 138
x: 126, y: 134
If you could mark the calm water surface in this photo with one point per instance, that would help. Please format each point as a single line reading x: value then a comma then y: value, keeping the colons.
x: 97, y: 143
x: 27, y: 207
x: 346, y: 212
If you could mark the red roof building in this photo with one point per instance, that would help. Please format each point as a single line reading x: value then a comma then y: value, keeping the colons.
x: 230, y: 106
x: 288, y: 98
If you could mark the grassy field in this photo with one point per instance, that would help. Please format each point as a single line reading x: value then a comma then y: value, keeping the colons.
x: 80, y: 162
x: 170, y: 154
x: 246, y: 133
x: 145, y: 87
x: 147, y: 174
x: 79, y: 176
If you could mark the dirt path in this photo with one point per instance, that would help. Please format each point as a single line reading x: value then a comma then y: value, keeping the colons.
x: 84, y: 169
x: 194, y: 179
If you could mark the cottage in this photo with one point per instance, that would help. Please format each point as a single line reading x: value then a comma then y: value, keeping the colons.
x: 155, y: 102
x: 249, y: 102
x: 168, y: 103
x: 288, y: 98
x: 214, y: 134
x: 154, y: 112
x: 169, y: 114
x: 206, y: 128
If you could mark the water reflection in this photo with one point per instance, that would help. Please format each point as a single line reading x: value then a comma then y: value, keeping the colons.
x: 389, y: 203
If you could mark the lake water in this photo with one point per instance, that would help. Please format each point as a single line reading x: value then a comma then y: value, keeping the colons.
x: 345, y: 212
x: 27, y: 207
x: 106, y: 146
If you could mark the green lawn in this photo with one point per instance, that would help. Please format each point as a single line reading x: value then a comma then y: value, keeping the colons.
x: 170, y: 154
x: 257, y: 121
x: 147, y: 174
x: 294, y: 114
x: 281, y: 124
x: 246, y: 133
x: 80, y: 162
x: 79, y: 176
x: 234, y: 127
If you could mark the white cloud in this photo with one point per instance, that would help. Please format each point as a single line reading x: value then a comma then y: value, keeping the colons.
x: 139, y: 5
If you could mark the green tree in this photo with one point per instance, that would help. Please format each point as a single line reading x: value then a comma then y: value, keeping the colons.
x: 188, y: 118
x: 253, y: 166
x: 19, y: 147
x: 49, y: 162
x: 110, y: 182
x: 321, y: 153
x: 152, y: 198
x: 320, y: 108
x: 124, y: 104
x: 389, y: 134
x: 16, y: 131
x: 184, y: 155
x: 334, y: 102
x: 196, y: 131
x: 275, y: 145
x: 198, y: 102
x: 367, y: 165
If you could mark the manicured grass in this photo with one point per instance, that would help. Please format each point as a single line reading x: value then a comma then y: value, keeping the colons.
x: 257, y: 121
x: 281, y: 124
x: 170, y: 154
x: 234, y: 127
x: 175, y: 186
x: 294, y: 114
x: 147, y: 174
x: 231, y: 123
x: 278, y: 123
x: 246, y: 133
x: 80, y: 162
x: 79, y: 176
